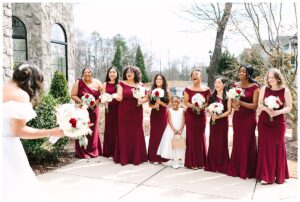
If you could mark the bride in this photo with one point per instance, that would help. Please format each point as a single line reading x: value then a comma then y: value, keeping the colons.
x: 19, y: 181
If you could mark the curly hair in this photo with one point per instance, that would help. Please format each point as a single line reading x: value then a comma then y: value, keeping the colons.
x: 29, y: 78
x: 278, y: 76
x: 136, y: 71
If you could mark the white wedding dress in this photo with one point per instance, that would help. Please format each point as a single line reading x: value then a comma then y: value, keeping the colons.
x: 18, y: 179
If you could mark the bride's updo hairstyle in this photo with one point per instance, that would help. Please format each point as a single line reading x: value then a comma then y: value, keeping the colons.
x: 29, y: 78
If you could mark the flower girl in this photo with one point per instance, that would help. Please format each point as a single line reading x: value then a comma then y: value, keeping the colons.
x: 172, y: 145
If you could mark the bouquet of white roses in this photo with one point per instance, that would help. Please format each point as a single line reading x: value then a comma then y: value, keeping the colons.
x: 235, y: 93
x: 157, y: 93
x: 216, y: 108
x: 198, y: 101
x: 273, y: 103
x: 138, y: 92
x: 88, y: 101
x: 105, y: 98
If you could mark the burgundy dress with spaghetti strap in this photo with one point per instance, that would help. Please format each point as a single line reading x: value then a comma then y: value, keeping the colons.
x: 94, y: 145
x: 111, y: 123
x: 244, y: 151
x: 158, y: 124
x: 130, y: 144
x: 271, y: 161
x: 195, y: 155
x: 218, y: 154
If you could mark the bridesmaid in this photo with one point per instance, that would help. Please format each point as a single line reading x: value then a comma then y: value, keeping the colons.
x: 272, y: 163
x: 218, y: 154
x: 90, y: 85
x: 158, y: 118
x: 111, y: 117
x: 130, y: 145
x: 195, y: 155
x: 244, y: 151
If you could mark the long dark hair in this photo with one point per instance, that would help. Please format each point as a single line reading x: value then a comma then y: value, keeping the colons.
x: 136, y: 71
x: 213, y: 97
x: 164, y: 87
x: 30, y: 79
x: 107, y: 79
x: 249, y: 72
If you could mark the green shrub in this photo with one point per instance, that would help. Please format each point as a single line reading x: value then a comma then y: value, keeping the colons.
x: 59, y: 88
x: 46, y: 119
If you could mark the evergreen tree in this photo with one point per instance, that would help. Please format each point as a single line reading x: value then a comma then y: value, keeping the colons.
x: 139, y: 62
x: 117, y: 59
x: 59, y: 88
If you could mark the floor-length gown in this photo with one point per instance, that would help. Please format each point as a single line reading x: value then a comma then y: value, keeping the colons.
x: 244, y: 151
x: 158, y: 124
x: 218, y: 154
x: 94, y: 145
x: 130, y: 145
x: 18, y: 179
x: 271, y: 161
x: 195, y: 155
x: 111, y: 123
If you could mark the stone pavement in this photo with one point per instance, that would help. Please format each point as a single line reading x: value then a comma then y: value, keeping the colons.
x: 101, y: 179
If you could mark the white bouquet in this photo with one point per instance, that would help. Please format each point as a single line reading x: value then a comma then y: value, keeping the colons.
x: 157, y: 93
x: 273, y: 103
x: 216, y: 108
x: 235, y: 93
x: 198, y: 101
x: 88, y: 101
x: 138, y: 92
x: 105, y: 98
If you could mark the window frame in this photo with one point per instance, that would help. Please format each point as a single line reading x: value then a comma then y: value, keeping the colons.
x: 20, y: 37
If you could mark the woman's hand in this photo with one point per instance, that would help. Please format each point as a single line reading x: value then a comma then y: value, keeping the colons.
x: 236, y: 104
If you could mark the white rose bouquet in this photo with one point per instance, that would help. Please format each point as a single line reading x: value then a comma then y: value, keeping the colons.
x: 157, y: 93
x: 235, y: 93
x: 88, y: 101
x: 273, y: 103
x: 138, y: 93
x: 198, y: 101
x: 216, y: 108
x: 105, y: 98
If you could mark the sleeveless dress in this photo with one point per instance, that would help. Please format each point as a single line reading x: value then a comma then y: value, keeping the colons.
x: 165, y: 146
x: 93, y: 149
x: 19, y: 181
x: 158, y: 124
x: 218, y: 154
x: 271, y: 160
x: 130, y: 144
x: 195, y: 155
x: 111, y: 123
x: 243, y: 157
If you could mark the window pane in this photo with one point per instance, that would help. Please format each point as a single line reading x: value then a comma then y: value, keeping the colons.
x: 58, y: 58
x: 57, y: 33
x: 18, y: 28
x: 19, y: 54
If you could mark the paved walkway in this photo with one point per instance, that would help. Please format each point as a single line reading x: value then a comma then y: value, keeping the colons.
x: 101, y: 178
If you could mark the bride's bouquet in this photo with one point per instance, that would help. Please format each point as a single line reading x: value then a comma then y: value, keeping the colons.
x: 273, y: 103
x: 75, y: 123
x: 235, y: 93
x: 88, y: 101
x: 216, y: 108
x: 105, y: 98
x: 198, y: 101
x: 157, y: 93
x: 138, y: 93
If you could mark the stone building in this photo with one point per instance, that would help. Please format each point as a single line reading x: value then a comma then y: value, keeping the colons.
x: 41, y: 33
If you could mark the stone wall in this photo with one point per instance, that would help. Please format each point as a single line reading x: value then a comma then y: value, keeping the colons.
x: 39, y: 19
x: 7, y: 42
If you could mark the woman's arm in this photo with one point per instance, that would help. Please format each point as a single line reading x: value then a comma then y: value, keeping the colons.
x: 119, y: 95
x: 288, y: 104
x: 74, y: 93
x: 254, y: 103
x: 186, y: 100
x: 228, y: 112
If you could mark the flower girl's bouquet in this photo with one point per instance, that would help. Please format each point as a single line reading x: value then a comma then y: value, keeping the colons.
x: 157, y: 93
x: 198, y: 101
x: 138, y: 93
x: 235, y: 93
x: 75, y: 123
x: 105, y: 98
x: 88, y: 101
x: 216, y: 108
x: 273, y: 103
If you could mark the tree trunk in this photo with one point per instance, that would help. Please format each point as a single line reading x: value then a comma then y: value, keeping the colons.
x: 218, y: 45
x: 295, y: 130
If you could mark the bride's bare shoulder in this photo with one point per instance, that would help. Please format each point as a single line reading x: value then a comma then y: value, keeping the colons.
x: 14, y: 93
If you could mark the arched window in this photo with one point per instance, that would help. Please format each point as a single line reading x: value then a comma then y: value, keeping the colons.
x: 59, y: 50
x: 19, y: 41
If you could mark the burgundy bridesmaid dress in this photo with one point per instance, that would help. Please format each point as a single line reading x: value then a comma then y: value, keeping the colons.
x: 195, y: 155
x: 271, y: 161
x: 130, y: 144
x: 218, y: 154
x: 94, y: 145
x: 243, y: 157
x: 111, y: 123
x: 158, y: 124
